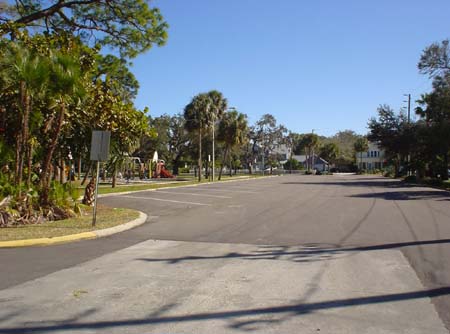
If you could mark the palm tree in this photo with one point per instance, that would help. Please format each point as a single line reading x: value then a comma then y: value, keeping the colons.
x: 218, y: 108
x: 232, y: 132
x: 200, y: 114
x: 309, y: 142
x: 25, y: 69
x: 361, y: 145
x: 66, y: 87
x: 196, y: 116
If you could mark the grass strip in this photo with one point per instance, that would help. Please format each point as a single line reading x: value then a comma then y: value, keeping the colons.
x: 106, y: 217
x: 105, y: 189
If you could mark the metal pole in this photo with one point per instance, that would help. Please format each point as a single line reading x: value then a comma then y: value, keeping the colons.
x: 94, y: 218
x: 408, y: 158
x: 213, y: 152
x: 409, y: 122
x: 409, y: 108
x: 312, y: 159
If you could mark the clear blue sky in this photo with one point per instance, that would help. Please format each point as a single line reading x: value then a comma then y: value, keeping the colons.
x: 313, y: 64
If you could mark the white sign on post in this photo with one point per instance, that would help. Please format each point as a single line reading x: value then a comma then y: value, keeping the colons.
x: 99, y: 152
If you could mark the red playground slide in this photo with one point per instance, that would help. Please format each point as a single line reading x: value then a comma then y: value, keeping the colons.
x: 166, y: 174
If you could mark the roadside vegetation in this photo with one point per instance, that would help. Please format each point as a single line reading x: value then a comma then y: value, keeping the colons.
x: 58, y: 83
x: 420, y: 148
x: 106, y: 217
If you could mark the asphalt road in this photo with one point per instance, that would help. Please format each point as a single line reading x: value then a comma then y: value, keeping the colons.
x: 332, y: 214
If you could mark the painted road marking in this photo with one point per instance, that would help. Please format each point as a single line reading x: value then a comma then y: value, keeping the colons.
x: 193, y: 194
x: 235, y: 191
x: 166, y: 200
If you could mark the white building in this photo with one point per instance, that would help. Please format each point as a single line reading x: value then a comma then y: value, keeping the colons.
x: 319, y: 163
x: 283, y: 151
x: 374, y: 158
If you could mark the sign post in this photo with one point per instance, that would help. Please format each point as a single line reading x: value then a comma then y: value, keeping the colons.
x: 99, y: 152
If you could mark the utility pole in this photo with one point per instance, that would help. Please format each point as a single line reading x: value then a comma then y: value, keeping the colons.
x: 312, y: 158
x: 213, y: 151
x: 408, y: 158
x: 409, y: 106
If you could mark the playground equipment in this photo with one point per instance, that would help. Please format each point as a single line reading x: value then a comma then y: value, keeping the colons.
x: 161, y: 171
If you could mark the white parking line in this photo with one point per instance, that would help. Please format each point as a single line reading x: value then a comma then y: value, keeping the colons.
x: 234, y: 191
x: 167, y: 200
x: 193, y: 194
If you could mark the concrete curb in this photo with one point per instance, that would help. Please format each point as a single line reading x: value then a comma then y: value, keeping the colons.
x: 76, y: 237
x: 112, y: 230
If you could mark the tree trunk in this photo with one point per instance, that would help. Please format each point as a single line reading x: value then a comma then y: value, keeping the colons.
x: 17, y: 160
x: 199, y: 155
x: 89, y: 192
x: 79, y: 167
x: 114, y: 175
x: 45, y: 179
x: 223, y: 162
x: 29, y: 164
x: 87, y: 174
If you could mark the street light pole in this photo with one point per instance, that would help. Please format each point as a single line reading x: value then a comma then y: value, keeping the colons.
x: 409, y: 121
x: 213, y: 151
x: 312, y: 159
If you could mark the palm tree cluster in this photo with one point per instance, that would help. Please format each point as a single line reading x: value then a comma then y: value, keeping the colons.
x: 51, y: 99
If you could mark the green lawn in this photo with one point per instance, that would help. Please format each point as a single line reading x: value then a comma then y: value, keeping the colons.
x: 106, y: 217
x: 105, y: 188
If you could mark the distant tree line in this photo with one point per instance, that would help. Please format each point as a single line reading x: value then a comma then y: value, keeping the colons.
x: 420, y: 147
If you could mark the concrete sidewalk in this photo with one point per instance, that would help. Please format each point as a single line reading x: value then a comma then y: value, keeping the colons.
x: 191, y: 287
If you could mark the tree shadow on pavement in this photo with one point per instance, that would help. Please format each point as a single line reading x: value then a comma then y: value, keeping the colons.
x: 299, y: 254
x: 354, y: 183
x: 285, y: 311
x: 405, y: 195
x: 306, y: 253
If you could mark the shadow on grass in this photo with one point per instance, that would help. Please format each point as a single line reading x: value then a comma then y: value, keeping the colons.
x: 284, y: 311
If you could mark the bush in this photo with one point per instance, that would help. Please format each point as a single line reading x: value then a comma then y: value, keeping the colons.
x: 22, y: 207
x: 292, y: 164
x: 411, y: 179
x: 183, y: 170
x: 388, y: 172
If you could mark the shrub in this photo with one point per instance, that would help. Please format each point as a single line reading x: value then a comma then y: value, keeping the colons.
x: 411, y: 179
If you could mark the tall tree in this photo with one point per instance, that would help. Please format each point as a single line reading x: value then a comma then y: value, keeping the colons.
x: 434, y: 108
x: 66, y: 78
x: 361, y: 145
x: 329, y: 152
x: 24, y: 70
x: 266, y: 135
x: 130, y: 26
x: 435, y: 60
x: 201, y: 114
x: 232, y: 132
x: 310, y: 142
x: 197, y: 116
x: 393, y: 133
